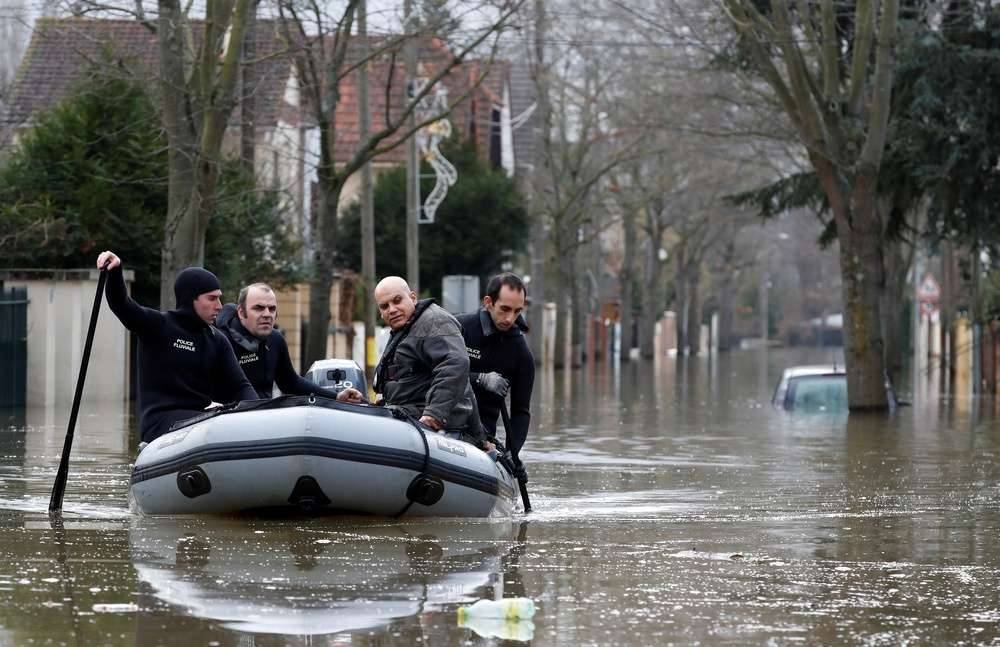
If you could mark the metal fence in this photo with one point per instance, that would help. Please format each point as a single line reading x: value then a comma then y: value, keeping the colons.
x: 13, y: 346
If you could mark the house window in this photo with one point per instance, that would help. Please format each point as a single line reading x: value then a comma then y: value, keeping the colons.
x: 496, y: 148
x: 473, y: 134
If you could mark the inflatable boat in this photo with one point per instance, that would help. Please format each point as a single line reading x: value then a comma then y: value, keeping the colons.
x: 317, y: 455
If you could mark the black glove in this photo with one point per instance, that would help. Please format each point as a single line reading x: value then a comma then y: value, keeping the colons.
x: 494, y: 383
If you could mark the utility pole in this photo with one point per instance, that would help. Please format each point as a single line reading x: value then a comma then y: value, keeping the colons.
x: 367, y: 198
x: 412, y: 161
x: 540, y: 175
x: 763, y: 294
x: 248, y: 125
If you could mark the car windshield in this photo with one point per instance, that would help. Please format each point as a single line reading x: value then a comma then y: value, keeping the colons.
x: 818, y: 393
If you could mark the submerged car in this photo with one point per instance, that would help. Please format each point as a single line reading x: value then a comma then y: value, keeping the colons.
x: 816, y: 388
x: 819, y: 388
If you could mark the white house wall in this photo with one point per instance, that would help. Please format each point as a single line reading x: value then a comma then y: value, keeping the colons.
x: 279, y: 167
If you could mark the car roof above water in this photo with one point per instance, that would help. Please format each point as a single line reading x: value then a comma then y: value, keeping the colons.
x: 814, y: 369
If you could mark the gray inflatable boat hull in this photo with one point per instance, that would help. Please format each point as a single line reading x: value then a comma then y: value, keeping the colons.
x: 306, y: 453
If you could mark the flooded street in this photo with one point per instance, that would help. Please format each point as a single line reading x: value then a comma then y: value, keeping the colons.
x: 672, y: 504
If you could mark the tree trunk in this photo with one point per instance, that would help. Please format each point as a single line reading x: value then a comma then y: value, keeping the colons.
x: 539, y: 234
x: 198, y: 97
x: 652, y: 301
x: 561, y: 355
x: 191, y: 188
x: 950, y: 299
x: 325, y: 237
x: 580, y: 317
x: 563, y: 298
x: 248, y: 106
x: 680, y: 302
x: 180, y: 247
x: 539, y: 251
x: 652, y: 282
x: 949, y: 289
x: 627, y: 280
x: 726, y: 298
x: 893, y: 316
x: 861, y: 266
x: 693, y: 312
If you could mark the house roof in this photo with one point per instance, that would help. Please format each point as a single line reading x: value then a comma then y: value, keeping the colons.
x: 66, y: 51
x: 469, y: 117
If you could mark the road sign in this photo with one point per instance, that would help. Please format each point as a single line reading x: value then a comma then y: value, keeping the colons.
x: 928, y: 295
x: 928, y: 291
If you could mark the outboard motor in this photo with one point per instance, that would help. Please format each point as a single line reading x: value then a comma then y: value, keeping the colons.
x: 337, y: 374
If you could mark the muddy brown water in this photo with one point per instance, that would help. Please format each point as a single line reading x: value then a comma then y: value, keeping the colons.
x: 672, y: 506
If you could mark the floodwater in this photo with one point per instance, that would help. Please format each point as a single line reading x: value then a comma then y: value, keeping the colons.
x: 672, y: 506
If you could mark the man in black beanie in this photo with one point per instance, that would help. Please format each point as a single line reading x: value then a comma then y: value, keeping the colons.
x: 185, y: 364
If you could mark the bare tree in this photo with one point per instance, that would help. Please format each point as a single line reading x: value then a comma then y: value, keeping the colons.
x: 579, y: 146
x: 197, y: 85
x: 326, y: 55
x: 14, y: 35
x: 836, y: 92
x: 699, y: 145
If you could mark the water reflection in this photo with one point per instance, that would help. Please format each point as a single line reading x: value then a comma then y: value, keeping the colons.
x: 320, y: 578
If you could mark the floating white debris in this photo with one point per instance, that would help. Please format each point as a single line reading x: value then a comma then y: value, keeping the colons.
x: 119, y: 607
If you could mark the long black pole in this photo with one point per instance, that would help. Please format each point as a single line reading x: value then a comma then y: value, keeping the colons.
x: 520, y: 482
x: 59, y: 487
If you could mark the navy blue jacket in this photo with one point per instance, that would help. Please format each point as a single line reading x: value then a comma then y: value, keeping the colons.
x: 506, y: 353
x: 184, y: 363
x: 265, y: 362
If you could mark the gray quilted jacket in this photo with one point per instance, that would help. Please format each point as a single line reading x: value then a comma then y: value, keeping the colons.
x: 426, y: 372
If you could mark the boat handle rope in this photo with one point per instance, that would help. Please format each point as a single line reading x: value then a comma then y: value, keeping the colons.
x: 402, y: 415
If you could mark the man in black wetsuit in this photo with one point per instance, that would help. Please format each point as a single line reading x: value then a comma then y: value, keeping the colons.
x: 500, y: 360
x: 260, y: 349
x: 185, y: 364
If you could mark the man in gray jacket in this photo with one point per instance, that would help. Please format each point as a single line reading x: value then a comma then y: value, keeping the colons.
x: 424, y: 369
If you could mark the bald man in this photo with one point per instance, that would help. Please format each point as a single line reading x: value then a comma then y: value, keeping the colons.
x: 424, y: 369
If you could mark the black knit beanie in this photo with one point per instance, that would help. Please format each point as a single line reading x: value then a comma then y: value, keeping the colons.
x: 191, y: 283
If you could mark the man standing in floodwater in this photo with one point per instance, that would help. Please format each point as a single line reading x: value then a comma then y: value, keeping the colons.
x: 500, y: 361
x: 424, y: 369
x: 185, y: 364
